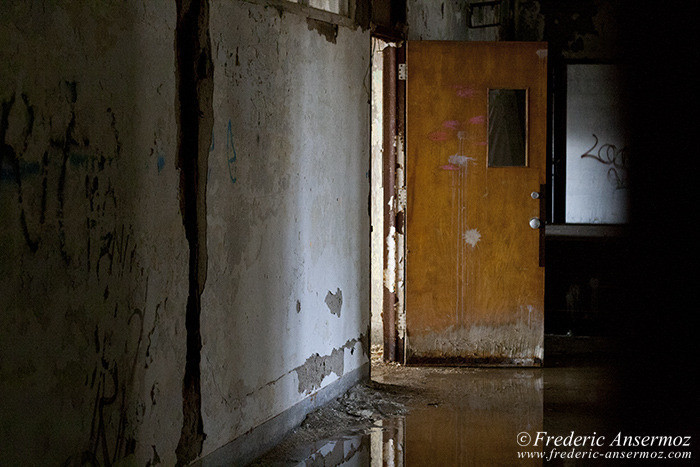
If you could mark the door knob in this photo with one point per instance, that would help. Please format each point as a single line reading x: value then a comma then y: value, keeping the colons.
x: 535, y: 223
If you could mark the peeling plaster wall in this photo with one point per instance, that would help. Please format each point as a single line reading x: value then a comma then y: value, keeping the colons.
x: 287, y: 215
x: 94, y: 259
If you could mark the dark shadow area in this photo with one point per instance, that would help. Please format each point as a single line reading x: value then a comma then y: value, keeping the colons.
x: 657, y: 391
x: 586, y: 289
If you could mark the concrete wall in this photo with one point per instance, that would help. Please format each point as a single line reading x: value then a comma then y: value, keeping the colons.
x: 105, y: 193
x: 93, y: 256
x: 285, y: 310
x: 431, y: 20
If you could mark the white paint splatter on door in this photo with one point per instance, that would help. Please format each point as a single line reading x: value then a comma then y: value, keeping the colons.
x: 471, y: 237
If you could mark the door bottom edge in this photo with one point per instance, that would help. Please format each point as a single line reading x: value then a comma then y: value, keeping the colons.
x: 482, y: 362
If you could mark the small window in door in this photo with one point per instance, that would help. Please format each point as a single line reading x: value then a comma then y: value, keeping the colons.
x: 507, y: 128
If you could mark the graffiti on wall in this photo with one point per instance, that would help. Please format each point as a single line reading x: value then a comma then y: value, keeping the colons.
x: 69, y: 208
x: 614, y: 158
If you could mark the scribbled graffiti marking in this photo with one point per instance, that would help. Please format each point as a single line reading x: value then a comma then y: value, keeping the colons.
x: 616, y: 159
x: 70, y: 151
x: 231, y: 155
x: 111, y: 399
x: 16, y: 163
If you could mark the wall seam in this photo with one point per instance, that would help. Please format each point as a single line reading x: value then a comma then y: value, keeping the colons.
x: 194, y: 113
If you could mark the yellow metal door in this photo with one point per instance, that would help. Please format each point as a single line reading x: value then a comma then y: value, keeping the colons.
x: 474, y: 284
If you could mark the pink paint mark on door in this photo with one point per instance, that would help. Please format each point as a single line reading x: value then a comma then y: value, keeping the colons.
x: 452, y: 124
x: 464, y: 91
x: 478, y: 120
x: 449, y: 167
x: 439, y: 136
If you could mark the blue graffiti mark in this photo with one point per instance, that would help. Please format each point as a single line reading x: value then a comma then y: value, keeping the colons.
x: 7, y: 171
x: 161, y: 163
x: 77, y: 159
x: 231, y: 154
x: 82, y: 159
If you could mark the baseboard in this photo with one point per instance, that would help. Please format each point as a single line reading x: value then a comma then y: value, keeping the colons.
x: 248, y: 447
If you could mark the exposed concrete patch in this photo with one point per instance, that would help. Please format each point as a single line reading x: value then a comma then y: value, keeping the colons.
x: 327, y: 30
x: 317, y: 367
x: 334, y: 302
x: 312, y: 372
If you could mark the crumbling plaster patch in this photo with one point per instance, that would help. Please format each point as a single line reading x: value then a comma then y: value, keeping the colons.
x: 334, y: 302
x: 316, y: 368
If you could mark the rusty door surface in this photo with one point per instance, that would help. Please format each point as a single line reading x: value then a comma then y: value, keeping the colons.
x: 474, y: 284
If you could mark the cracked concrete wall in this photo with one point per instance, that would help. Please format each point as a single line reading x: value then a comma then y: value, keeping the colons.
x: 140, y: 212
x: 94, y: 259
x: 287, y: 214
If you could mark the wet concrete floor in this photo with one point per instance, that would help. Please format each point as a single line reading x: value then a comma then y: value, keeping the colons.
x: 463, y: 416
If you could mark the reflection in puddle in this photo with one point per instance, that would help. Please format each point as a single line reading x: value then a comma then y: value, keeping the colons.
x: 383, y: 444
x: 348, y: 450
x: 469, y: 417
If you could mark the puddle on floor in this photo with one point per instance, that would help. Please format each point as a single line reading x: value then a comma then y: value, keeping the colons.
x: 446, y: 439
x: 452, y: 417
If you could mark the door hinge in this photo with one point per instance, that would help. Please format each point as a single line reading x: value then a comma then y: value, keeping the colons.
x: 403, y: 72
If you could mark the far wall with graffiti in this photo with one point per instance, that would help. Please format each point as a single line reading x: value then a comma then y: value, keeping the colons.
x: 597, y: 150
